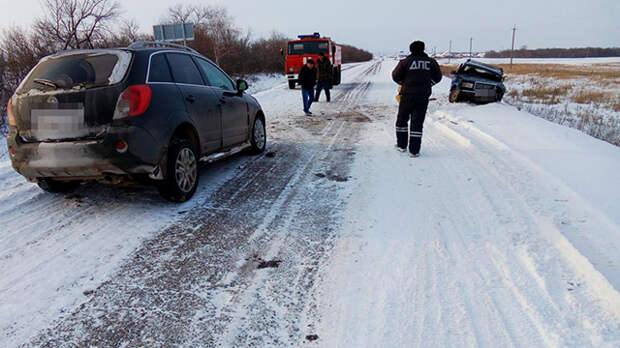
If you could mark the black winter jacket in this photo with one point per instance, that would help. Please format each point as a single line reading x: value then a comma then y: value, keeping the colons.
x: 307, y: 77
x: 417, y: 74
x: 325, y: 69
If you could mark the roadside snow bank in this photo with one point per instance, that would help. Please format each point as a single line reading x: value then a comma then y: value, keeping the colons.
x: 261, y: 82
x: 587, y: 165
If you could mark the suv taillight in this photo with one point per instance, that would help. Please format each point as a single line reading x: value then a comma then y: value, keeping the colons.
x: 133, y: 101
x: 10, y: 114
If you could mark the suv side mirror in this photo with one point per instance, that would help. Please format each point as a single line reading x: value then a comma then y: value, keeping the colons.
x: 242, y: 86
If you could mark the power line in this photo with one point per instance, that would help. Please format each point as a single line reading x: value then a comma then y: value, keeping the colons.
x: 514, y: 29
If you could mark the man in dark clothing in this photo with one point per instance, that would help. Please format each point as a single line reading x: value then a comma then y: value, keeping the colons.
x: 416, y: 74
x: 307, y: 80
x: 325, y: 77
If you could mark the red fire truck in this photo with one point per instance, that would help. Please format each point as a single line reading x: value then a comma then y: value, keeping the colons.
x: 309, y: 46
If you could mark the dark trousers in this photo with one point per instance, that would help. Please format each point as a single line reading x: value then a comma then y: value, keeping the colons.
x: 308, y: 97
x: 414, y: 109
x: 322, y: 84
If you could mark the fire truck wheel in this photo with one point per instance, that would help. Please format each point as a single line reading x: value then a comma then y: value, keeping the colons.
x: 337, y: 77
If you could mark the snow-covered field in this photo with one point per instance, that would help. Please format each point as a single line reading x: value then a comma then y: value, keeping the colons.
x: 591, y: 105
x: 506, y: 232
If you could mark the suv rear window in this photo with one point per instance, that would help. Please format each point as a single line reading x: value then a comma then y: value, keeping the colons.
x: 77, y: 69
x: 184, y: 70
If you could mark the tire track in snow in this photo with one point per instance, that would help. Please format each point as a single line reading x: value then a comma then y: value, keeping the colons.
x: 540, y: 306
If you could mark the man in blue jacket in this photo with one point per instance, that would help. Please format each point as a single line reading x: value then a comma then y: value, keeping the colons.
x: 416, y: 74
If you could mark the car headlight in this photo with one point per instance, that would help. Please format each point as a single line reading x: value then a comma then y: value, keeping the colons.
x: 466, y: 84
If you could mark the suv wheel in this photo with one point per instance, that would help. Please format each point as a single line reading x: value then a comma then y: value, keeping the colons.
x: 454, y: 95
x: 55, y: 186
x: 258, y: 140
x: 499, y: 96
x: 181, y: 179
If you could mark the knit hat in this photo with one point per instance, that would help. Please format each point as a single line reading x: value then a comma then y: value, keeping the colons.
x: 417, y: 47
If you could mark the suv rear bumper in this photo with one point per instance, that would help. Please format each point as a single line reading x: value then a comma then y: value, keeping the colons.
x: 87, y: 158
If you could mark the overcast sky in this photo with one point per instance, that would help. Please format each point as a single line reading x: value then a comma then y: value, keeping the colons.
x: 384, y: 26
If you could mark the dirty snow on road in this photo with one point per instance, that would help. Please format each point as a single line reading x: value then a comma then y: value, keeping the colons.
x: 504, y: 232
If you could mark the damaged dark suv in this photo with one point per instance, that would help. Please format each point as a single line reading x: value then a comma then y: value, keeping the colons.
x: 149, y: 112
x: 477, y: 83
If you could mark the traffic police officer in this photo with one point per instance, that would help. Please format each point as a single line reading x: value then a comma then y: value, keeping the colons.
x: 416, y: 74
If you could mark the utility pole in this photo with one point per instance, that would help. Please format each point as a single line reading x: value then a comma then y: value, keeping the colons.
x: 450, y: 52
x: 471, y: 39
x: 512, y: 50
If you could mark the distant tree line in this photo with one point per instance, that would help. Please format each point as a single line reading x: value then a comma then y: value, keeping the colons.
x: 86, y: 24
x: 585, y: 52
x: 351, y: 54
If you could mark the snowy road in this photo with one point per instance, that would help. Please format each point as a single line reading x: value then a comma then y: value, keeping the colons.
x: 494, y: 237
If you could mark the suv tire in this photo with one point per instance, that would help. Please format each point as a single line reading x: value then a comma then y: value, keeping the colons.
x: 181, y: 178
x: 499, y: 97
x: 454, y: 95
x: 258, y: 138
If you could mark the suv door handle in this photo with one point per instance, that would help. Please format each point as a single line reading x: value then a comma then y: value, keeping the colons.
x: 190, y: 98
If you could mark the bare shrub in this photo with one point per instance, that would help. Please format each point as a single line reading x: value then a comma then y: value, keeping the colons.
x: 128, y: 33
x: 215, y: 34
x: 266, y: 54
x: 77, y: 23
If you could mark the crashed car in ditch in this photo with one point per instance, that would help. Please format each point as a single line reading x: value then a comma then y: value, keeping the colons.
x: 477, y: 83
x: 150, y: 112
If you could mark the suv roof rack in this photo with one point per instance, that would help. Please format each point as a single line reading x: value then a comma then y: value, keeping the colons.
x: 143, y: 44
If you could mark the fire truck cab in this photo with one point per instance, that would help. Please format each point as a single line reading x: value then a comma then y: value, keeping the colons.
x: 309, y: 46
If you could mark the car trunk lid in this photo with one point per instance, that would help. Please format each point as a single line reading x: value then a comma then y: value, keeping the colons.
x: 70, y: 96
